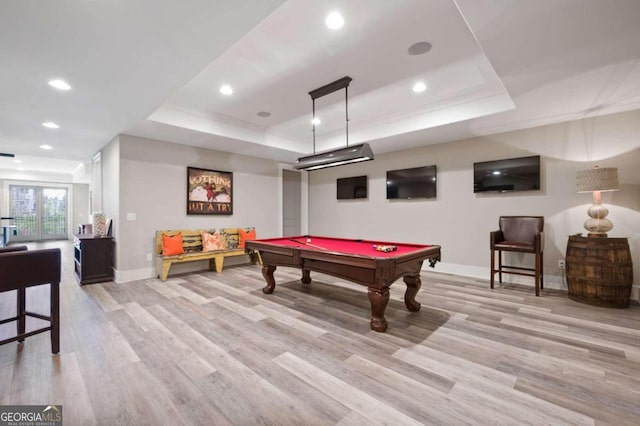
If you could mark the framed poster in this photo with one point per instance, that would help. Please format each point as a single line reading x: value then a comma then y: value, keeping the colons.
x: 209, y: 191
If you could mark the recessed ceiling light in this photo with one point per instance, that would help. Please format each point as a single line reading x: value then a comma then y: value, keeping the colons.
x: 59, y: 84
x: 264, y: 114
x: 419, y: 87
x: 419, y: 48
x: 225, y: 89
x: 51, y: 125
x: 334, y: 21
x: 316, y: 121
x: 496, y: 172
x: 17, y: 161
x: 47, y: 147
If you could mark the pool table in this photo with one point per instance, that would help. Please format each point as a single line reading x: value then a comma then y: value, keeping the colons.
x: 354, y: 260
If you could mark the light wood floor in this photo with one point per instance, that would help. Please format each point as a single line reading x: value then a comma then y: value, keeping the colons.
x: 211, y: 349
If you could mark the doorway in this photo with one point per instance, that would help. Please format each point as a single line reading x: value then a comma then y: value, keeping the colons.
x: 41, y: 213
x: 291, y: 199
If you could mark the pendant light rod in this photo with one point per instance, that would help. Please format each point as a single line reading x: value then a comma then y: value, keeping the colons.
x: 313, y: 123
x: 346, y: 109
x: 334, y: 86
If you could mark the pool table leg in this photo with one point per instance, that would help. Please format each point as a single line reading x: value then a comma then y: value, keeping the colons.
x: 413, y: 285
x: 306, y: 276
x: 378, y: 299
x: 267, y: 273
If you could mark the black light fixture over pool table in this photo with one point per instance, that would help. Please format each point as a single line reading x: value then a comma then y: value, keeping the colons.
x: 340, y: 156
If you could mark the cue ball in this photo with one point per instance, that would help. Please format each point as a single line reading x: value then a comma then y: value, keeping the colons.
x: 308, y: 240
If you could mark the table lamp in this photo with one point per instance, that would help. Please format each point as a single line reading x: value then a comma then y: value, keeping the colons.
x: 597, y: 180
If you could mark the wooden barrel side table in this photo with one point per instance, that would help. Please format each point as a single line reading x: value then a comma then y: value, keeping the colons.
x: 599, y: 271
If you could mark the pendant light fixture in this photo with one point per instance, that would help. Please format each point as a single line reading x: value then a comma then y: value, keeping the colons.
x: 335, y: 157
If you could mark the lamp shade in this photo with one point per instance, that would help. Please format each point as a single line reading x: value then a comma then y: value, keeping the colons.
x: 597, y: 179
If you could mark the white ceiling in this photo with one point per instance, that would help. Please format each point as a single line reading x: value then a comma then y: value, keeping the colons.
x: 152, y: 68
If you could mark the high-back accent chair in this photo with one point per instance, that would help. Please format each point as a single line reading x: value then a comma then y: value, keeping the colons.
x: 523, y: 234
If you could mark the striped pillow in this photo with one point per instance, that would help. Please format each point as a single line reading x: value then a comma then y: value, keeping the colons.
x: 192, y: 241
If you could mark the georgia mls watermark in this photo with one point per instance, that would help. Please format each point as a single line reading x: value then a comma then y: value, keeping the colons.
x: 30, y: 415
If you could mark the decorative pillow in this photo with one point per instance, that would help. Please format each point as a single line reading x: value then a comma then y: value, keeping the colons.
x: 246, y: 235
x: 211, y: 241
x: 231, y: 238
x: 172, y: 245
x: 192, y: 241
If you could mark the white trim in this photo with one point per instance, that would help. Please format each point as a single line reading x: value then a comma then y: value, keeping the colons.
x: 120, y: 276
x: 479, y: 272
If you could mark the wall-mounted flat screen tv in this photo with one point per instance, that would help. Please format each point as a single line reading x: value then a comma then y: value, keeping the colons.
x: 512, y: 174
x: 351, y: 188
x: 418, y: 182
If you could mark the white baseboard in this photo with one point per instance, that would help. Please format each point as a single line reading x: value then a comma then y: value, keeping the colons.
x: 550, y: 281
x: 555, y: 282
x: 134, y: 274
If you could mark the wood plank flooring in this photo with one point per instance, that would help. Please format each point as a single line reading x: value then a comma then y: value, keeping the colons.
x: 211, y: 349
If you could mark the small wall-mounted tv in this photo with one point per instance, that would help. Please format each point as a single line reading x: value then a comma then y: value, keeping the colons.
x: 418, y: 182
x: 351, y: 188
x: 511, y: 174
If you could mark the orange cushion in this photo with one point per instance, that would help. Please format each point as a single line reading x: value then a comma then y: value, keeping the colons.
x: 172, y: 245
x: 211, y: 241
x: 246, y: 235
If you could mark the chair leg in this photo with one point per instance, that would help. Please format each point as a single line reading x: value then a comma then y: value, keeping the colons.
x: 21, y: 309
x: 542, y: 270
x: 537, y: 274
x: 493, y: 267
x: 500, y: 266
x: 55, y: 317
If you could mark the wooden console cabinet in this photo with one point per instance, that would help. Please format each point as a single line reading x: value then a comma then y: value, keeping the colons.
x: 92, y: 258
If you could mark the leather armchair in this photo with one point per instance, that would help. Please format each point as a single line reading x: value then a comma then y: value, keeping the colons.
x: 523, y: 234
x: 21, y: 268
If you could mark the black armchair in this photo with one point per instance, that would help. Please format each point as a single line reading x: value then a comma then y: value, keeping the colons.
x: 523, y: 234
x: 21, y: 268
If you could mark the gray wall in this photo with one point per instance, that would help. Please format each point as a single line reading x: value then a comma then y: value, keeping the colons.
x: 460, y: 221
x: 152, y: 176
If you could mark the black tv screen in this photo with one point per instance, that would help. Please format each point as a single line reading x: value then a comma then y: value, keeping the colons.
x: 512, y: 174
x: 418, y: 182
x: 350, y: 188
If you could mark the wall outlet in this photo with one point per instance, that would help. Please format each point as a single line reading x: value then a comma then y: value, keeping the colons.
x: 561, y: 264
x: 149, y: 258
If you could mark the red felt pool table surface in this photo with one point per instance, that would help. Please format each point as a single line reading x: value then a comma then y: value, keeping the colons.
x: 354, y: 260
x: 345, y: 246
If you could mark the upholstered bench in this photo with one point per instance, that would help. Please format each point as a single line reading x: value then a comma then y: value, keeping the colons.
x: 188, y: 245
